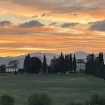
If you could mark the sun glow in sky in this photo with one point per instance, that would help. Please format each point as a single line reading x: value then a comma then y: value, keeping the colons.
x: 53, y: 26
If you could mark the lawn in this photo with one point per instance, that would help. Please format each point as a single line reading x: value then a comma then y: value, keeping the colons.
x: 61, y: 88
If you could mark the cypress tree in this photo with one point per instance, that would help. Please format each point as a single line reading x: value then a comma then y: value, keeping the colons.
x: 101, y: 66
x: 74, y: 64
x: 71, y: 63
x: 62, y: 63
x: 66, y: 63
x: 44, y: 64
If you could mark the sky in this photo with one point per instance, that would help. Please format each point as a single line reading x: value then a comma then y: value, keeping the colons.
x: 51, y: 26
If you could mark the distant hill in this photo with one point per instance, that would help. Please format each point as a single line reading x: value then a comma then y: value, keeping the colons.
x: 49, y: 56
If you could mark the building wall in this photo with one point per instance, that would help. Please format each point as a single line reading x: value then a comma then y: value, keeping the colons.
x: 80, y: 66
x: 11, y: 69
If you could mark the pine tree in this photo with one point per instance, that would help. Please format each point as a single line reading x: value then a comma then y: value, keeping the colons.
x: 74, y: 64
x: 44, y: 64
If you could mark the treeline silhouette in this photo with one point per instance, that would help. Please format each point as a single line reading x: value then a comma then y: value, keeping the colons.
x: 65, y: 63
x: 62, y: 64
x: 95, y: 65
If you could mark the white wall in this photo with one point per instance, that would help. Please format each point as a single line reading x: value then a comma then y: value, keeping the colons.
x: 80, y: 66
x: 11, y: 69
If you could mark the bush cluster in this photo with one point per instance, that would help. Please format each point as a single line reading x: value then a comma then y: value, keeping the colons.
x: 44, y: 99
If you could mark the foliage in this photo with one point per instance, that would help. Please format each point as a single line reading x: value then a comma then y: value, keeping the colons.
x: 21, y: 71
x: 95, y: 65
x: 54, y: 65
x: 15, y: 72
x: 96, y: 100
x: 7, y: 100
x: 32, y: 64
x: 63, y: 64
x: 90, y: 64
x: 2, y: 68
x: 39, y: 99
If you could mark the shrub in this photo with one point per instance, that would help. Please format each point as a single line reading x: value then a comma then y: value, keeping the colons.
x: 96, y: 100
x: 21, y: 71
x: 7, y: 100
x: 74, y: 103
x: 39, y: 99
x: 15, y: 72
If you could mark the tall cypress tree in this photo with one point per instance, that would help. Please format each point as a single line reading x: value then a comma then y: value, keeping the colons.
x: 62, y: 63
x: 71, y: 63
x: 66, y: 63
x: 44, y: 64
x: 101, y: 66
x: 74, y: 64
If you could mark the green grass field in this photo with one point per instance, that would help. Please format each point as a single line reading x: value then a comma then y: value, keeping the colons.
x: 61, y: 88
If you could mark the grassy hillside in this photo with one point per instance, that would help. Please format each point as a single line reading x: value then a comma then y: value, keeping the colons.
x: 61, y: 88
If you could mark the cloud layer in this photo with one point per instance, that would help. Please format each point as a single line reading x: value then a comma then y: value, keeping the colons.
x: 51, y: 26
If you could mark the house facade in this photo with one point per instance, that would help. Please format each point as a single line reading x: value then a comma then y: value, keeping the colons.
x: 12, y: 66
x: 80, y: 63
x: 11, y: 69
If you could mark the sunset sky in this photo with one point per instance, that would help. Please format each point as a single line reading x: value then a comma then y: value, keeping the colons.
x: 52, y: 26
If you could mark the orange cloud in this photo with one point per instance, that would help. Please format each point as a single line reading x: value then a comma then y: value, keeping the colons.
x: 51, y: 41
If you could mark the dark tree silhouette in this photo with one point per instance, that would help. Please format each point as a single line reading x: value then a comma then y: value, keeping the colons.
x: 2, y: 68
x: 26, y: 63
x: 95, y: 65
x: 34, y: 65
x: 44, y: 64
x: 90, y: 65
x: 100, y: 66
x: 66, y: 63
x: 55, y: 65
x: 71, y: 63
x: 74, y: 64
x: 62, y: 63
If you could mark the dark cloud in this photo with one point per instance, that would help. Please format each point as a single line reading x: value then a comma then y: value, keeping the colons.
x: 34, y: 16
x: 5, y: 23
x: 52, y: 24
x: 98, y: 26
x: 46, y: 14
x: 66, y: 25
x: 31, y: 24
